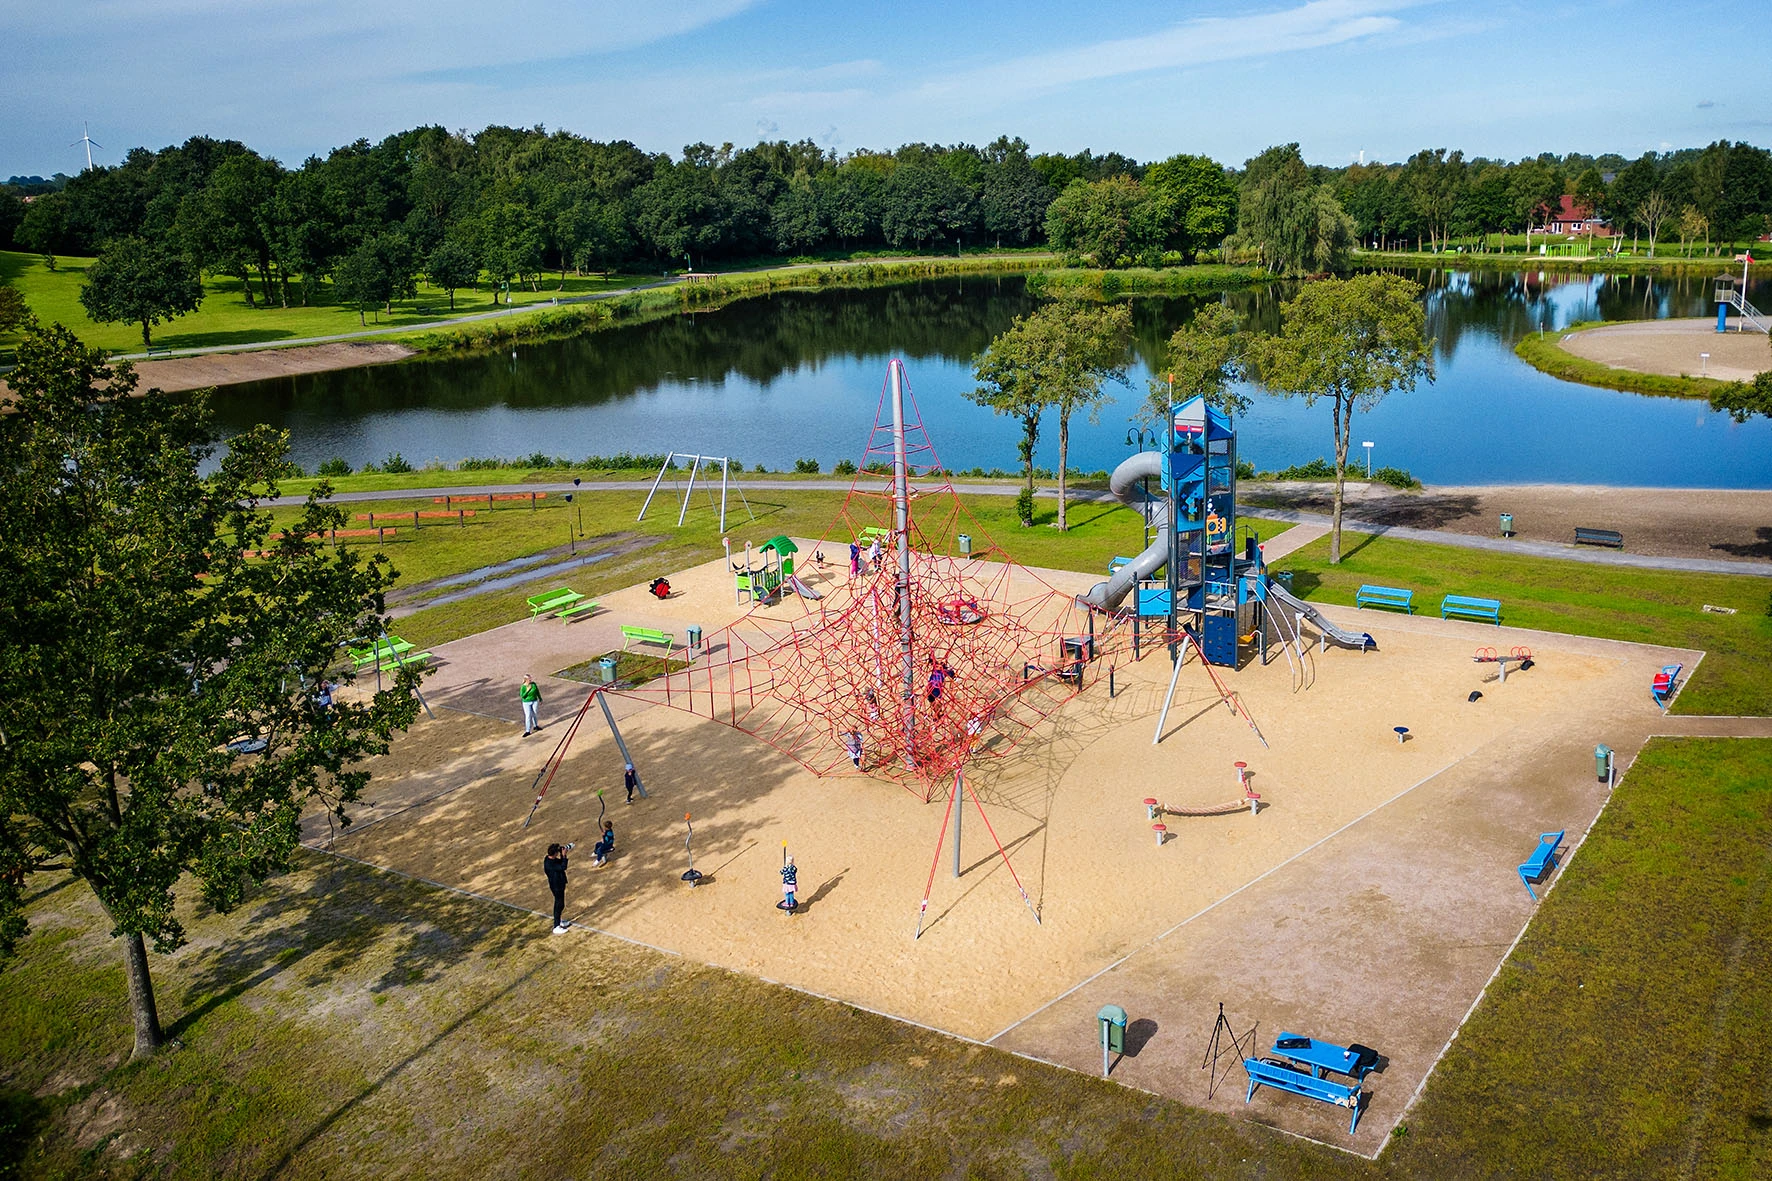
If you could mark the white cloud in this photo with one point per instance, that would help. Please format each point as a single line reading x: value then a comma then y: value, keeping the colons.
x: 1203, y: 41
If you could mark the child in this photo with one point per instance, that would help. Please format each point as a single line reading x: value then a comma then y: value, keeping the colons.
x: 789, y: 886
x: 852, y: 744
x: 605, y: 844
x: 937, y: 679
x: 630, y: 779
x: 854, y: 560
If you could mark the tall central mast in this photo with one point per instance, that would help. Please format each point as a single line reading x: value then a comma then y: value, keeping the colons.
x: 901, y: 507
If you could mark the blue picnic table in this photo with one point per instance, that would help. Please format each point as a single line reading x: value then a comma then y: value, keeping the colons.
x: 1321, y: 1056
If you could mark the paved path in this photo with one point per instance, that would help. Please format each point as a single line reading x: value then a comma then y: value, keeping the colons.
x: 1316, y: 524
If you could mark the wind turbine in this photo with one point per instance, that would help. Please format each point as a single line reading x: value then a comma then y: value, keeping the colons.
x: 90, y: 144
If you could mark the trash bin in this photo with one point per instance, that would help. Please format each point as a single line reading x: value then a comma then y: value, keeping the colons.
x: 965, y: 545
x: 1112, y: 1019
x: 1602, y: 762
x: 1507, y: 524
x: 1283, y: 577
x: 694, y: 631
x: 606, y: 670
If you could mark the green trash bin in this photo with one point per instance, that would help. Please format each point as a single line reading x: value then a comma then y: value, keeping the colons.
x: 606, y: 671
x: 1112, y: 1019
x: 965, y: 545
x: 1602, y: 762
x: 694, y: 631
x: 1507, y: 524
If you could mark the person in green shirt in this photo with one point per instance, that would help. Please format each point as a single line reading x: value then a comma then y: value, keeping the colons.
x: 530, y: 696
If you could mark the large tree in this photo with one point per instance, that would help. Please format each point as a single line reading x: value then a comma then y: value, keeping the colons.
x: 157, y: 690
x: 1057, y: 357
x: 1204, y: 357
x: 1349, y: 342
x: 139, y: 282
x: 1110, y: 222
x: 1293, y: 223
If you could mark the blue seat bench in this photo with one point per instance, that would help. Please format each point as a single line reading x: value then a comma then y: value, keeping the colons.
x: 1469, y: 608
x: 1542, y: 861
x: 1386, y: 596
x: 1285, y: 1077
x: 1609, y: 537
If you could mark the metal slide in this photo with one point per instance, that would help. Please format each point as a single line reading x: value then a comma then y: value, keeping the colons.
x: 1278, y: 596
x: 1125, y: 486
x: 801, y: 589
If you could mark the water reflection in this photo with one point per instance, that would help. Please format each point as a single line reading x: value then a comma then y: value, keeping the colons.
x: 798, y: 375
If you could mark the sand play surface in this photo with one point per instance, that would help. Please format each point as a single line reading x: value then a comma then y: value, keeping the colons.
x: 1369, y: 901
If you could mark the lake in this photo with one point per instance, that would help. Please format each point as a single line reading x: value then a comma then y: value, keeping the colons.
x: 798, y: 375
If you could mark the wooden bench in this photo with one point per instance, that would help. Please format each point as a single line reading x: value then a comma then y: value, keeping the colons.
x: 1543, y: 859
x: 578, y: 608
x: 1385, y: 596
x: 1286, y: 1077
x: 560, y: 596
x: 1469, y: 608
x: 1609, y: 537
x: 646, y: 635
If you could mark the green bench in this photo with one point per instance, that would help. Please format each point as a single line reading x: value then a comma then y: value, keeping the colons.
x: 1385, y: 596
x: 578, y: 608
x: 403, y: 659
x: 646, y: 635
x: 382, y: 651
x: 1469, y: 608
x: 560, y: 596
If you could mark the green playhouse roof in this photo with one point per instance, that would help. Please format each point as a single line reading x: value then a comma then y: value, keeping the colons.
x: 781, y: 545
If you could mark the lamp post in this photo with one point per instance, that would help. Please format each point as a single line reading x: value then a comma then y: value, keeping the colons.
x: 1139, y: 439
x: 1368, y: 446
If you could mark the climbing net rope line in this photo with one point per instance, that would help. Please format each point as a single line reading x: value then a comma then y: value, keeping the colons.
x: 856, y: 682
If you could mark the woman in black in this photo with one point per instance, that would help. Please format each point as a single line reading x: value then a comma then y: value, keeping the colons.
x: 555, y: 866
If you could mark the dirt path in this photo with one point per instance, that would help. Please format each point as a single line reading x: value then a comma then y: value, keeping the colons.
x: 1673, y: 347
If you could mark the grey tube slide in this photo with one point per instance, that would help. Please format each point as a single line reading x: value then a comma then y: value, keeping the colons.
x: 1125, y: 486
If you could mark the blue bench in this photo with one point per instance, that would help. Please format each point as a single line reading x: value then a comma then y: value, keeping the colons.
x: 1267, y: 1073
x: 1543, y: 859
x: 1469, y: 608
x: 1386, y: 596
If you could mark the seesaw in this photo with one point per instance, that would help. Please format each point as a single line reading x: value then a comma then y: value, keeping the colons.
x: 1489, y: 656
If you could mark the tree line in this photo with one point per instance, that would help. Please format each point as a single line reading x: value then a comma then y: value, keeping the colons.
x: 512, y: 206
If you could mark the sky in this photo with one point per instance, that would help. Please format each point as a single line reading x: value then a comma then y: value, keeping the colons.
x: 293, y: 78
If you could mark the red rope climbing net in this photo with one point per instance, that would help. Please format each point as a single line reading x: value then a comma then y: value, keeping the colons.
x: 857, y: 682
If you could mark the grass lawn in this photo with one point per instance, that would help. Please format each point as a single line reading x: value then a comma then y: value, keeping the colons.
x: 1628, y: 1035
x: 1651, y: 606
x: 223, y: 317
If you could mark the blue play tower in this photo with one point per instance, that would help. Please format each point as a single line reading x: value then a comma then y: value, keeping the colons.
x: 1219, y: 596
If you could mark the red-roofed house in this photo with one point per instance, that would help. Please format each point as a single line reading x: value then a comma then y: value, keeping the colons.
x: 1571, y: 218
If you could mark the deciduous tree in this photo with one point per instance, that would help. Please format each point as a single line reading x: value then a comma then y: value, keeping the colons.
x: 1349, y: 342
x: 452, y: 266
x: 1204, y: 357
x: 160, y: 726
x: 139, y: 282
x: 1057, y: 357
